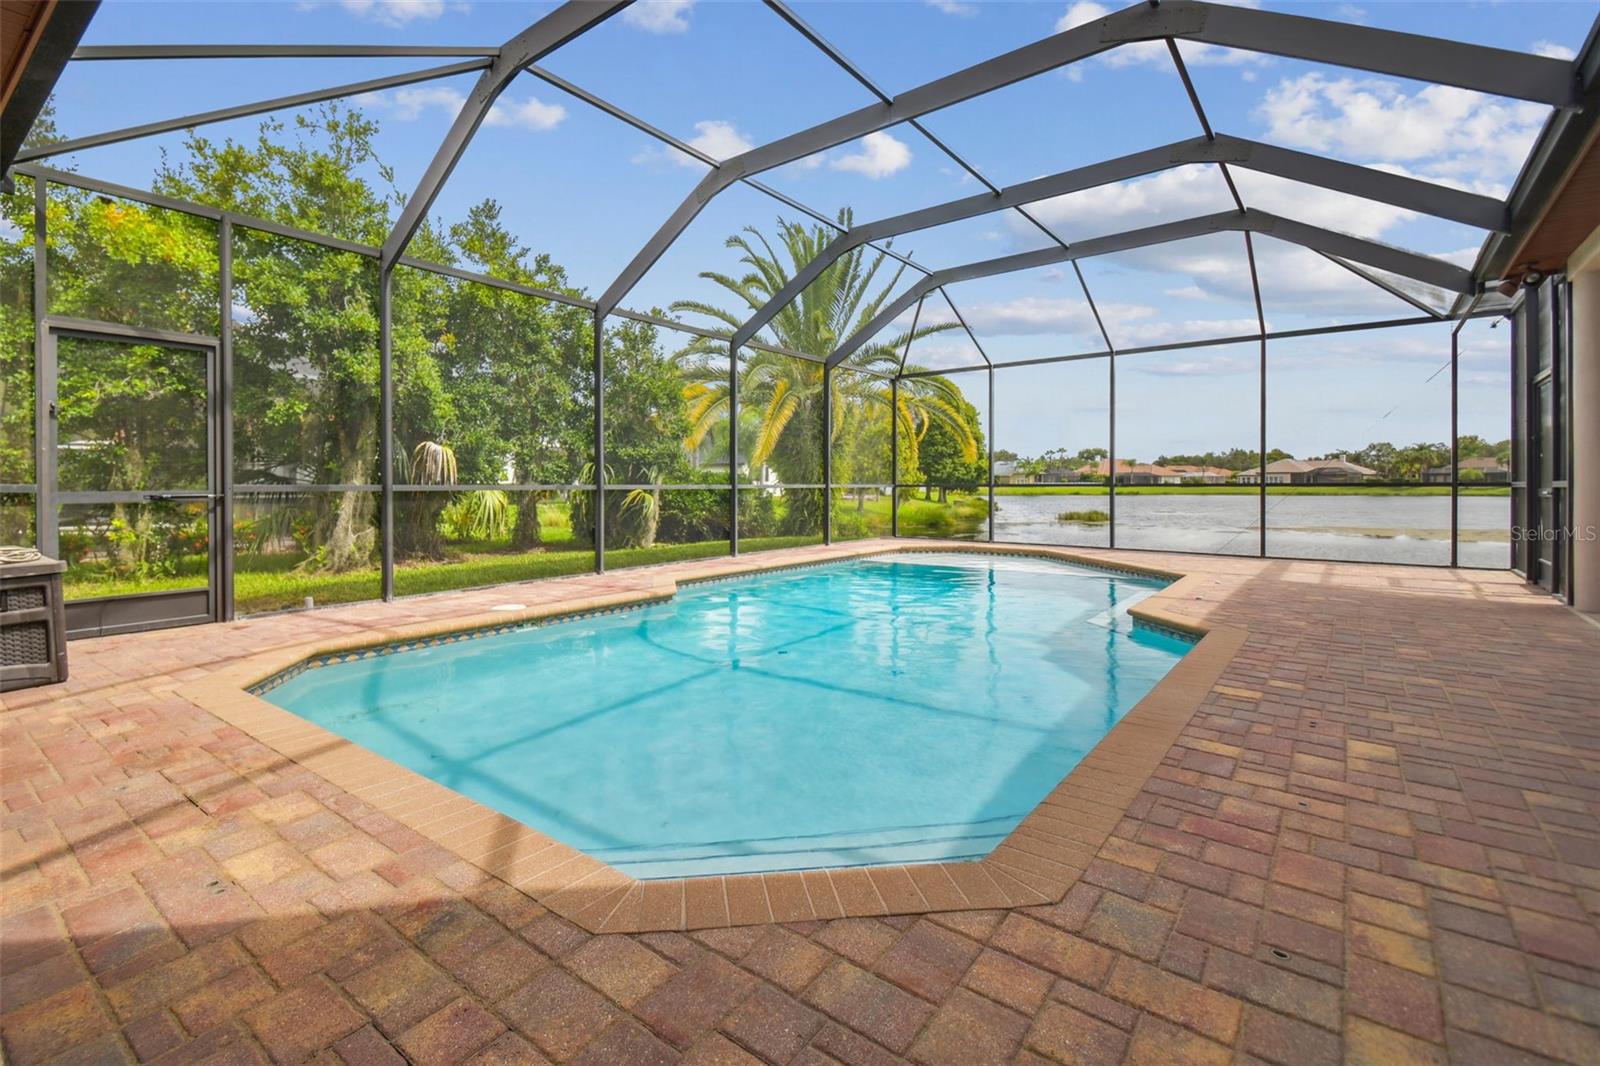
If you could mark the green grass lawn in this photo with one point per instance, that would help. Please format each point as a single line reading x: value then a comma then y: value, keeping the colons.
x: 273, y: 582
x: 1250, y: 490
x: 964, y: 515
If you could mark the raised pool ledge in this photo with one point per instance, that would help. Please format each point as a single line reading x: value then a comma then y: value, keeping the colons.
x: 1035, y: 864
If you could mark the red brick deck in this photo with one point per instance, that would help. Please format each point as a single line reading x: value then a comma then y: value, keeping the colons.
x: 1394, y: 786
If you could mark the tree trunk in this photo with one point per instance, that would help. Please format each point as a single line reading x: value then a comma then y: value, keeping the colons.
x: 416, y: 526
x: 351, y: 541
x: 526, y: 534
x: 353, y: 534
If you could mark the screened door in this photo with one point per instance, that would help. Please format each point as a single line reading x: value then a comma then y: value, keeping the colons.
x: 135, y: 485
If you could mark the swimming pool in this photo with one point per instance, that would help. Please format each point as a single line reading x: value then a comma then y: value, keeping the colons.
x: 890, y: 709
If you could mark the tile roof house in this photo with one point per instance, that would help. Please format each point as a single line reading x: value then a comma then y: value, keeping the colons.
x: 1482, y: 468
x: 1338, y: 471
x: 1005, y: 473
x: 1201, y: 475
x: 1130, y: 473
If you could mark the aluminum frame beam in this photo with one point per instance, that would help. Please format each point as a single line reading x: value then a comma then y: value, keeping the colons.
x: 95, y: 52
x: 566, y: 22
x: 1381, y: 186
x: 1393, y: 290
x: 1497, y: 71
x: 1492, y: 70
x: 1204, y: 342
x: 1562, y: 141
x: 1396, y: 260
x: 224, y: 114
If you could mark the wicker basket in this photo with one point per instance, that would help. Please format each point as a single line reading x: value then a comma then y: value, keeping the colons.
x: 33, y: 631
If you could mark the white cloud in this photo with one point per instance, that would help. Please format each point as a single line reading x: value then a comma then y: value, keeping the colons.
x: 1200, y: 365
x: 716, y: 138
x: 1080, y: 13
x: 1317, y: 206
x: 879, y: 155
x: 1553, y: 50
x: 1213, y: 268
x: 659, y: 16
x: 1294, y: 280
x: 1182, y: 192
x: 719, y: 139
x: 1086, y: 11
x: 532, y: 114
x: 1197, y: 53
x: 1031, y: 316
x: 1446, y: 131
x: 1351, y: 13
x: 950, y: 350
x: 1462, y: 257
x: 1130, y: 324
x: 394, y: 12
x: 953, y: 7
x: 1144, y: 328
x: 408, y: 105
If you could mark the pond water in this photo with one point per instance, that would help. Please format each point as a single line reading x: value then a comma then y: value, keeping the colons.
x: 1392, y: 529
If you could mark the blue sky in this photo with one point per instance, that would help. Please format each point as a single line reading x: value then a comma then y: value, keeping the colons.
x: 726, y: 75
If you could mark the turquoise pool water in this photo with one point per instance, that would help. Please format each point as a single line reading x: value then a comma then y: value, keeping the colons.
x: 900, y: 709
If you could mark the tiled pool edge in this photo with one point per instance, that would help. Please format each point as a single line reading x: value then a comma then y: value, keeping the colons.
x: 1036, y: 864
x: 473, y: 628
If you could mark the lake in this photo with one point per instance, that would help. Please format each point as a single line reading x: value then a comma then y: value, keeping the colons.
x: 1391, y: 529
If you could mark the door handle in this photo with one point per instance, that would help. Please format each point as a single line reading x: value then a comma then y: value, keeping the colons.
x: 152, y: 497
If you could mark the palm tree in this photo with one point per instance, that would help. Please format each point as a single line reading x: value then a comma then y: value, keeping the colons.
x: 780, y: 397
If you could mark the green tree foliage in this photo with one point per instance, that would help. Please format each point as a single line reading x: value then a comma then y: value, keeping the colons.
x: 646, y: 424
x: 781, y: 397
x: 1398, y: 463
x: 502, y: 378
x: 16, y: 354
x: 306, y: 341
x: 1472, y: 446
x: 952, y: 457
x: 1232, y: 459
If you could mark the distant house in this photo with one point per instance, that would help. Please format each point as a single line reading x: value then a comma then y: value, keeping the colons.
x: 1488, y: 468
x: 1131, y: 473
x: 765, y: 476
x: 1338, y: 471
x: 1201, y: 475
x: 1006, y: 473
x: 1058, y: 471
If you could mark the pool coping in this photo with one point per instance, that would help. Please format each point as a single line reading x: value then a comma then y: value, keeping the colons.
x: 1034, y: 865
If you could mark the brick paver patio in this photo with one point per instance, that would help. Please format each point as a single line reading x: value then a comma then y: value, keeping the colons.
x: 1377, y: 841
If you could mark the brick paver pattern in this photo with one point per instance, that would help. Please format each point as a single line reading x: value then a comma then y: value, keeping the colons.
x: 1377, y: 841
